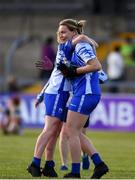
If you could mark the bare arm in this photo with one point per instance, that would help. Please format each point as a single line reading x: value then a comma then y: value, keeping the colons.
x: 85, y: 38
x: 91, y: 66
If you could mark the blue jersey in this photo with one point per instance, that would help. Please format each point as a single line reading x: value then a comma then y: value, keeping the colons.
x: 89, y: 82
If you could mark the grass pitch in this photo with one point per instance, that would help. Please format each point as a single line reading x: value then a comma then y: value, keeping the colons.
x: 117, y: 150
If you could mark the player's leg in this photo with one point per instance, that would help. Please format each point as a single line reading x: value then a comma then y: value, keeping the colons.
x: 64, y: 149
x: 88, y: 147
x: 49, y: 130
x: 49, y: 167
x: 73, y: 127
x: 75, y: 122
x: 54, y: 104
x: 85, y: 157
x: 52, y: 123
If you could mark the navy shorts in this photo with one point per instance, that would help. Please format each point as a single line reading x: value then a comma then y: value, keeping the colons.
x: 84, y: 104
x: 56, y: 105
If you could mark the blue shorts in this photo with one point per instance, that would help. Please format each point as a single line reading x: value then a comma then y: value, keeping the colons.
x: 55, y: 105
x: 84, y: 104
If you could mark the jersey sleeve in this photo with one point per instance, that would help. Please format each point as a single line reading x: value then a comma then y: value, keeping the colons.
x: 85, y: 51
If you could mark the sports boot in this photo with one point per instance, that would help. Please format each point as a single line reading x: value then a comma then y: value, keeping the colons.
x: 49, y: 171
x: 100, y: 170
x: 34, y: 170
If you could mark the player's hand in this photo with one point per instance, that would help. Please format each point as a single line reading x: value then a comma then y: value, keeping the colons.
x: 68, y: 70
x: 46, y: 65
x: 36, y: 103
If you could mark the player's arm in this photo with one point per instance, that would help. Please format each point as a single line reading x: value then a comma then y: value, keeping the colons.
x: 40, y: 96
x: 68, y: 46
x: 91, y: 66
x: 83, y: 37
x: 85, y: 52
x: 70, y: 71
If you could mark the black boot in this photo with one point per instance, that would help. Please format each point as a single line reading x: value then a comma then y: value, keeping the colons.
x: 100, y: 170
x: 34, y: 170
x: 49, y: 171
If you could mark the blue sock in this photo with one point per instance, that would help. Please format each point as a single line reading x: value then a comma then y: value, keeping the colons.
x: 96, y: 159
x: 85, y: 162
x: 50, y: 163
x: 36, y: 161
x: 76, y: 168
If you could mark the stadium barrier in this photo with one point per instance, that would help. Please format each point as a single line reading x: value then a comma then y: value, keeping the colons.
x: 114, y: 112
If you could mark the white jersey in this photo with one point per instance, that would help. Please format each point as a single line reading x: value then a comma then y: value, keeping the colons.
x: 57, y: 82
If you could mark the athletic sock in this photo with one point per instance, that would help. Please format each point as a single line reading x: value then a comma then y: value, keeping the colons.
x: 96, y: 159
x: 36, y: 161
x: 85, y: 162
x: 76, y: 168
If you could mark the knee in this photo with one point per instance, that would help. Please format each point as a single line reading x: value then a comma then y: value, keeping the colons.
x: 46, y: 133
x: 72, y: 131
x: 63, y: 134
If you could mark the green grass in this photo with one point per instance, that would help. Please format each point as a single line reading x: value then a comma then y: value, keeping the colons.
x: 117, y: 149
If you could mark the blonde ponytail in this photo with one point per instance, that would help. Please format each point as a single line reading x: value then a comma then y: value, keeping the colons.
x: 81, y: 25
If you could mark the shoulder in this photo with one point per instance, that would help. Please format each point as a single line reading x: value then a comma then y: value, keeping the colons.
x: 83, y: 45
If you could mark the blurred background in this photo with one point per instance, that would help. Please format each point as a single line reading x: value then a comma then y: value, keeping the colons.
x: 28, y: 26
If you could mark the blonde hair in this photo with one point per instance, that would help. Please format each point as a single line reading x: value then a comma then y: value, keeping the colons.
x: 74, y: 25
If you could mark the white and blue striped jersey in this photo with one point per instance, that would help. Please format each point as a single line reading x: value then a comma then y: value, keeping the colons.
x: 89, y: 82
x: 57, y: 82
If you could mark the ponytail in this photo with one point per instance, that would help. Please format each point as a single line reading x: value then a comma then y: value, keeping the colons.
x: 81, y: 25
